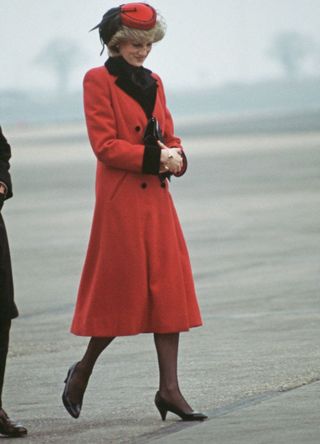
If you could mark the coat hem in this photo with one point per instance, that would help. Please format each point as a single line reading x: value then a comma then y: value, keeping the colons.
x: 157, y: 331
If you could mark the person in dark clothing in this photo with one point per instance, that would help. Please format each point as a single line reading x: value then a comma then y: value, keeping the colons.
x: 8, y: 309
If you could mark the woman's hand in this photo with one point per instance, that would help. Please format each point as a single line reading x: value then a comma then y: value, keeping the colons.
x: 170, y: 160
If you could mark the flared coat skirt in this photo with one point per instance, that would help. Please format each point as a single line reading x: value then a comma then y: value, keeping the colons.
x: 137, y: 276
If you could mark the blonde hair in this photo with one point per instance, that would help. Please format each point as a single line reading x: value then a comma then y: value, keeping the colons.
x: 125, y: 34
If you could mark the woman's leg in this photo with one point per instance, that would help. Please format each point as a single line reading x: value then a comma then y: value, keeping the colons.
x: 167, y: 349
x: 81, y: 375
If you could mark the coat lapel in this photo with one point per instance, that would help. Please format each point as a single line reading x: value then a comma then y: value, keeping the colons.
x: 146, y: 97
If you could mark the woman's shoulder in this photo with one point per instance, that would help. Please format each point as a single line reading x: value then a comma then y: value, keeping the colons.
x: 156, y: 76
x: 97, y: 73
x: 159, y: 83
x: 158, y: 80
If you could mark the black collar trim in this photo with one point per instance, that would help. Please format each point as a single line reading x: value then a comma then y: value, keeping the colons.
x: 137, y: 82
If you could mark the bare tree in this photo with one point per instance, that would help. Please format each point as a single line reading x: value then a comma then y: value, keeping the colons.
x: 290, y: 49
x: 60, y: 56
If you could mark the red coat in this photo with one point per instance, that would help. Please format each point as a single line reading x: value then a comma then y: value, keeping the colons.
x: 137, y: 276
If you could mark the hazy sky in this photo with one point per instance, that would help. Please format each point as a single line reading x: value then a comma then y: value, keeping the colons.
x: 207, y: 42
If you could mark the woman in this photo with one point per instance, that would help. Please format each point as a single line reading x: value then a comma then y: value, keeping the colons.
x: 137, y: 276
x: 8, y: 309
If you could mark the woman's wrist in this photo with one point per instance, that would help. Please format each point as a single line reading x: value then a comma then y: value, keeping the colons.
x: 165, y: 155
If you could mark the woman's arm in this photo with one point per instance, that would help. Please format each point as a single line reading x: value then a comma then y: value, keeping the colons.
x: 101, y: 125
x: 170, y: 139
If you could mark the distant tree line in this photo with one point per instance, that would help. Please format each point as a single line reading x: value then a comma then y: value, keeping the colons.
x: 60, y: 56
x: 292, y: 50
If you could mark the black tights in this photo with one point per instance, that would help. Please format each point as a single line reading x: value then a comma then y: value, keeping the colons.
x: 4, y: 345
x: 167, y: 351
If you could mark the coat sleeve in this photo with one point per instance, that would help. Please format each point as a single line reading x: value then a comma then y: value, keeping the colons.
x: 5, y: 155
x: 102, y: 131
x: 168, y: 133
x: 168, y: 130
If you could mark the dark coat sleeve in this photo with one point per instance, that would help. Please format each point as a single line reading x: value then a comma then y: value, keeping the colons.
x: 5, y: 154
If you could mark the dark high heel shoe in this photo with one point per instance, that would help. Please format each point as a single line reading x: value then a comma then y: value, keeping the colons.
x: 10, y: 428
x: 73, y: 408
x: 164, y: 407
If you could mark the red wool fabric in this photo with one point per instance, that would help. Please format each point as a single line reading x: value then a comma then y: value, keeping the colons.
x: 136, y: 276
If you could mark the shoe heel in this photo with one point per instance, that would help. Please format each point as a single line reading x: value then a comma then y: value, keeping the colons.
x: 67, y: 376
x: 163, y: 411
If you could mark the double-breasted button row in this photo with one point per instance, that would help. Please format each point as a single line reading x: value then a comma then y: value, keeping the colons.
x: 144, y: 185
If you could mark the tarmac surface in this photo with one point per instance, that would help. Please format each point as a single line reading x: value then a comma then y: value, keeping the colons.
x: 250, y: 209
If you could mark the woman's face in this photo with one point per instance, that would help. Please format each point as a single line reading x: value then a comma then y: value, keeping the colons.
x: 135, y: 53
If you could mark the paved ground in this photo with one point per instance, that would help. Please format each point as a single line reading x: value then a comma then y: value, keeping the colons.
x: 250, y: 208
x: 276, y: 417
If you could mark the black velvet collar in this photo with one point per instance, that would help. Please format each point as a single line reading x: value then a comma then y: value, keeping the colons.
x: 137, y: 82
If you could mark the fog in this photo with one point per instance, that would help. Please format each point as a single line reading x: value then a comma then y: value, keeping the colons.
x: 208, y: 42
x: 243, y: 85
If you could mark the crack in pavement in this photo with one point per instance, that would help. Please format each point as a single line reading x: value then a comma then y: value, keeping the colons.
x: 220, y: 411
